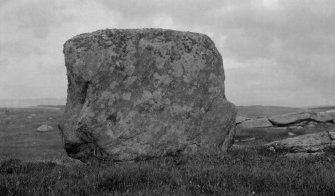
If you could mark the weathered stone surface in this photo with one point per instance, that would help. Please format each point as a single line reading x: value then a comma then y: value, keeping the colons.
x: 256, y: 123
x: 304, y: 143
x: 240, y: 119
x: 134, y: 94
x: 291, y: 118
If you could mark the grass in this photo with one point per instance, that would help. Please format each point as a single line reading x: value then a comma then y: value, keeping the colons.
x: 20, y: 139
x: 254, y: 171
x: 244, y: 171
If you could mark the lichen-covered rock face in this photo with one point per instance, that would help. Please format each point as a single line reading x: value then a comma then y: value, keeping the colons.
x: 135, y: 94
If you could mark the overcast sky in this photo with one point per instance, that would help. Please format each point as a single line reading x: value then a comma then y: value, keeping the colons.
x: 275, y: 52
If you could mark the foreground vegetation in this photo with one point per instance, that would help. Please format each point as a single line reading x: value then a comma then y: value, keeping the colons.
x: 241, y: 172
x: 251, y: 171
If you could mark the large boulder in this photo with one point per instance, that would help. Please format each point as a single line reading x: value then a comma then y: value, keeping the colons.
x: 135, y: 94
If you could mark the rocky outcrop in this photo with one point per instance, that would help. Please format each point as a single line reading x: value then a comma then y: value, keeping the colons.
x: 286, y: 119
x: 135, y: 94
x: 308, y: 143
x: 302, y: 117
x: 299, y: 120
x: 256, y: 123
x: 240, y: 119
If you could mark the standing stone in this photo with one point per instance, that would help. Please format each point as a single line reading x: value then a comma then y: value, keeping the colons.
x: 135, y: 94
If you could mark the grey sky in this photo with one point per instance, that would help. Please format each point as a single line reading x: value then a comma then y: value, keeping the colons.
x: 275, y: 52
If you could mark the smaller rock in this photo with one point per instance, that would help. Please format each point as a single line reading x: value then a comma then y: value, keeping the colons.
x: 286, y: 119
x: 272, y: 149
x: 322, y: 117
x: 291, y: 134
x: 256, y: 123
x: 240, y: 119
x: 44, y: 128
x: 303, y: 143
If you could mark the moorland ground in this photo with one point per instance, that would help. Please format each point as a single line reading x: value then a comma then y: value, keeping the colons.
x: 34, y: 163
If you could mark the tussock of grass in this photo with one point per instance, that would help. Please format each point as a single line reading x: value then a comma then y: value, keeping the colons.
x: 241, y: 172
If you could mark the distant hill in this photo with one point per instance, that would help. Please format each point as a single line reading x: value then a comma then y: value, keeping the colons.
x: 31, y: 102
x: 321, y: 108
x: 255, y: 111
x: 252, y: 111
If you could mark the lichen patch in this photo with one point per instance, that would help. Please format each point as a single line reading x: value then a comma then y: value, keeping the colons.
x: 164, y: 79
x: 126, y: 96
x: 130, y: 80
